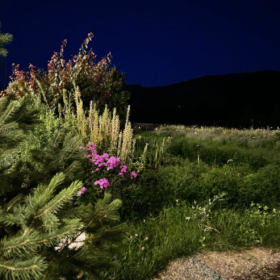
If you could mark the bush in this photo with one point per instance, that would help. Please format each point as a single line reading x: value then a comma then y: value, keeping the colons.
x: 191, y: 182
x: 97, y: 81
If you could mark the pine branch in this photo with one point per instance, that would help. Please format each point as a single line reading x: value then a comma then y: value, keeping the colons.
x: 60, y: 200
x: 9, y: 113
x: 8, y: 158
x: 32, y: 268
x: 23, y: 245
x: 15, y: 218
x: 15, y: 200
x: 43, y: 194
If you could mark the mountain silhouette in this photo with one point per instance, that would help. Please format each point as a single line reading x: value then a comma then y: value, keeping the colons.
x: 233, y: 100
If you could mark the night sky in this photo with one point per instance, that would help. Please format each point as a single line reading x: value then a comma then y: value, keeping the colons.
x: 154, y: 42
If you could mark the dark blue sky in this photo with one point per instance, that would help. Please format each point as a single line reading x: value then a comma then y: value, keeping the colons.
x: 153, y: 42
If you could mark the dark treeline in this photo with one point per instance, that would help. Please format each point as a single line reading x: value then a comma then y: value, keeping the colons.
x: 234, y: 100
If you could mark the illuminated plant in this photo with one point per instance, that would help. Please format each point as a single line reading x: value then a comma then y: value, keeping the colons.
x: 97, y: 81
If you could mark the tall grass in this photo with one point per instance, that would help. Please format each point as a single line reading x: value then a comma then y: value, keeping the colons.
x: 253, y: 138
x: 103, y: 129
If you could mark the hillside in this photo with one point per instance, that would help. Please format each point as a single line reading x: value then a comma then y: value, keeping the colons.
x: 233, y: 100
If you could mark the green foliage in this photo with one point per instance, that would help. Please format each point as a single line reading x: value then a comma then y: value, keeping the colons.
x: 40, y: 229
x: 191, y: 180
x: 41, y: 218
x: 30, y: 151
x: 17, y: 117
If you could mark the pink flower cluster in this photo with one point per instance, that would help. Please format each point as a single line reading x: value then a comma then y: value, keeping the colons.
x: 110, y: 162
x: 82, y: 191
x: 123, y: 170
x: 133, y: 174
x: 101, y: 160
x: 103, y: 183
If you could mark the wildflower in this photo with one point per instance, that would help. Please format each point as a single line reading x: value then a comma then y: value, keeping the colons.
x: 83, y: 189
x: 98, y: 160
x: 136, y: 234
x: 146, y: 238
x: 123, y: 170
x: 133, y: 175
x: 103, y: 183
x: 112, y: 162
x: 105, y: 156
x: 79, y: 193
x: 143, y: 248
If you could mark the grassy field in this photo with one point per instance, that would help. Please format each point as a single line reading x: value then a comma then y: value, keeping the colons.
x: 202, y: 189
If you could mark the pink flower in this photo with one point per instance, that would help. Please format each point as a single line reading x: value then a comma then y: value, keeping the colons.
x: 112, y: 162
x: 102, y: 160
x: 103, y: 183
x: 83, y: 189
x: 105, y: 156
x: 98, y: 160
x: 133, y: 175
x: 79, y: 193
x: 91, y: 147
x: 81, y: 147
x: 123, y: 170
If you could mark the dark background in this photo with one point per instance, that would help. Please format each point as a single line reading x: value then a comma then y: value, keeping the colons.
x: 179, y: 56
x: 155, y: 43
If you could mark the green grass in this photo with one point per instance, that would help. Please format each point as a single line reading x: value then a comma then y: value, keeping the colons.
x: 169, y: 235
x: 254, y: 138
x: 184, y: 206
x: 184, y: 230
x: 210, y: 151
